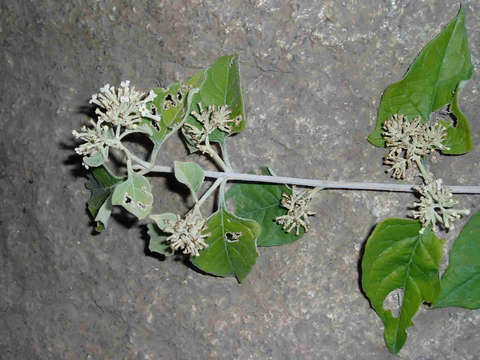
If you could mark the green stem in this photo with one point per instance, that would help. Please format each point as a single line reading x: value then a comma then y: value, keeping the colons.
x: 210, y: 191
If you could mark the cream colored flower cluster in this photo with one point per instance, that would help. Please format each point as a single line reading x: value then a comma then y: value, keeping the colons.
x: 298, y: 212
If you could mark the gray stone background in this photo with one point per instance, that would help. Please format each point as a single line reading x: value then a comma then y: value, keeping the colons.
x: 312, y: 74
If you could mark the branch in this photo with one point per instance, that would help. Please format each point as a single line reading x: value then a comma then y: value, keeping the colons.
x: 325, y: 184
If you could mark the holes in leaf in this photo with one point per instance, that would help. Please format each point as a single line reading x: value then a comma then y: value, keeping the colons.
x: 127, y: 199
x: 393, y: 302
x: 179, y: 96
x: 153, y: 109
x: 156, y: 125
x: 232, y: 237
x: 169, y: 101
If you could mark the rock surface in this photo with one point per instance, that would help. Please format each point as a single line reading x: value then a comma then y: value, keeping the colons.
x: 312, y: 74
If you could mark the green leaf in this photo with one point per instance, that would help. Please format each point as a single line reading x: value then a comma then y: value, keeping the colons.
x: 101, y: 184
x: 134, y: 195
x: 221, y: 87
x: 431, y: 81
x: 397, y: 256
x: 104, y: 214
x: 459, y: 139
x: 261, y: 202
x: 460, y: 285
x: 190, y: 174
x: 172, y: 104
x: 161, y: 220
x: 94, y: 160
x: 158, y: 242
x: 226, y: 255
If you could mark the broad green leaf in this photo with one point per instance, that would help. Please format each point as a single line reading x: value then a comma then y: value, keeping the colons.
x: 261, y: 202
x: 221, y: 87
x: 172, y: 104
x: 459, y: 139
x: 460, y: 285
x: 158, y: 242
x: 190, y: 174
x: 396, y: 257
x: 232, y: 247
x: 431, y: 81
x: 101, y: 184
x: 134, y: 195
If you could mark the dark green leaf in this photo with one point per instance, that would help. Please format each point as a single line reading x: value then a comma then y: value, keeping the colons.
x: 221, y: 87
x: 459, y: 139
x: 101, y: 183
x: 172, y: 104
x: 226, y: 255
x: 158, y: 241
x: 460, y: 285
x: 396, y: 257
x: 431, y: 81
x: 261, y: 202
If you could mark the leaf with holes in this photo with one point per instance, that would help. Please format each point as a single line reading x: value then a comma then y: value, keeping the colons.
x: 172, y: 105
x: 232, y: 246
x: 460, y: 285
x: 190, y: 174
x: 261, y: 202
x: 221, y: 87
x: 101, y: 184
x: 396, y: 257
x: 430, y: 82
x: 134, y: 195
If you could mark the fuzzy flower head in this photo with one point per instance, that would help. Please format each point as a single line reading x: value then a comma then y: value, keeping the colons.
x: 297, y: 211
x: 409, y: 141
x: 435, y: 206
x: 97, y: 138
x: 211, y: 119
x: 122, y: 106
x: 188, y: 234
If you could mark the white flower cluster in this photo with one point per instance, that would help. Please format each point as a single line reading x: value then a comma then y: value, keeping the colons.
x: 298, y: 212
x: 435, y: 205
x: 121, y: 107
x: 188, y: 234
x: 409, y: 141
x: 116, y: 109
x: 98, y: 138
x: 211, y: 119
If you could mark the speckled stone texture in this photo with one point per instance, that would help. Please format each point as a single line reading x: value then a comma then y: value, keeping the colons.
x: 313, y: 73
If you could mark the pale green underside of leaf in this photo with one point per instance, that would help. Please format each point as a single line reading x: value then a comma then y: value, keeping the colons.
x: 190, y: 174
x: 101, y: 184
x: 158, y: 242
x: 134, y: 195
x: 460, y: 285
x: 223, y: 257
x: 221, y: 87
x: 430, y: 83
x: 398, y: 257
x: 261, y: 202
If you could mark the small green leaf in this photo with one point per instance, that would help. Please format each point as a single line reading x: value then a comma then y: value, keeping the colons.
x: 104, y: 214
x: 221, y: 87
x: 158, y: 243
x: 101, y: 184
x: 134, y: 195
x: 94, y: 160
x: 232, y: 248
x: 396, y: 257
x: 460, y: 285
x: 190, y: 174
x: 162, y: 220
x: 431, y: 81
x: 261, y: 202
